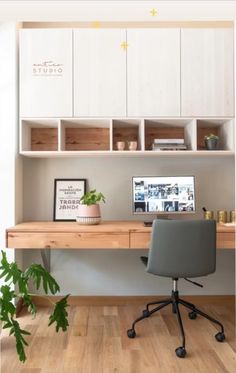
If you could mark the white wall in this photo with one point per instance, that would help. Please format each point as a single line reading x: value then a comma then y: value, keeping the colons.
x: 117, y: 272
x: 109, y: 10
x: 10, y: 163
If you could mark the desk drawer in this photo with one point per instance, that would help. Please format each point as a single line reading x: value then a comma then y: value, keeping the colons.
x: 139, y: 240
x: 24, y: 240
x: 225, y: 240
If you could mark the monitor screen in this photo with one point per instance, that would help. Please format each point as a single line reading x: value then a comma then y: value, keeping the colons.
x: 163, y: 194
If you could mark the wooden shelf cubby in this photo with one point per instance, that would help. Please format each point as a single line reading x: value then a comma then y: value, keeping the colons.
x: 39, y: 135
x: 220, y: 127
x: 85, y: 135
x: 127, y: 130
x: 170, y: 129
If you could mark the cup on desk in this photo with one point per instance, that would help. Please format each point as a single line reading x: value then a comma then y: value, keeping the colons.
x: 208, y: 215
x: 222, y: 217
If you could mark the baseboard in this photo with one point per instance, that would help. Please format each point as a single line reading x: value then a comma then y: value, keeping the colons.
x: 73, y: 300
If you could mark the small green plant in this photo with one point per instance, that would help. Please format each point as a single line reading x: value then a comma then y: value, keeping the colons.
x: 20, y: 279
x: 211, y: 136
x: 92, y: 197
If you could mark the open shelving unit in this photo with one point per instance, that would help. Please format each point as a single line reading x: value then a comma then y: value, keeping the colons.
x: 59, y: 137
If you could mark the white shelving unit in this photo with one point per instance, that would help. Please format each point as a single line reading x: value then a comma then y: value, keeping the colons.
x: 98, y: 137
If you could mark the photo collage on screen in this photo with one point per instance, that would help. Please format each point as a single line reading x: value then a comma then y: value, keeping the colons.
x: 163, y: 194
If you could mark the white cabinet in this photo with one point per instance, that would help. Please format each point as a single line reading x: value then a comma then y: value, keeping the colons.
x: 153, y: 72
x: 45, y: 72
x: 207, y: 72
x: 99, y: 72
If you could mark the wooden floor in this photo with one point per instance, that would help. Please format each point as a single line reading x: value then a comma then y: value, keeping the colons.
x: 97, y: 343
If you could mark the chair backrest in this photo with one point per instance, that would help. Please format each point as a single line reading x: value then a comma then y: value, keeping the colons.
x: 182, y: 248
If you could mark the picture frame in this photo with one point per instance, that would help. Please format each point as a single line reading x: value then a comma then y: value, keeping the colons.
x: 67, y: 194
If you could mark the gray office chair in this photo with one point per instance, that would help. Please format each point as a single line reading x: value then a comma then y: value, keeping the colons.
x: 181, y: 249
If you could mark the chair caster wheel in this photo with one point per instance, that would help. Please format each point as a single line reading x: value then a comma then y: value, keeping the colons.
x: 180, y: 352
x: 220, y: 337
x: 131, y: 333
x: 146, y: 313
x: 192, y: 315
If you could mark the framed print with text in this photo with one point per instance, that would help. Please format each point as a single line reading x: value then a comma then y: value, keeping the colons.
x: 67, y: 194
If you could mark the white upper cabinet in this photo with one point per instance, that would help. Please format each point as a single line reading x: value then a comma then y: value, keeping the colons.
x: 99, y: 72
x: 45, y: 73
x: 207, y: 72
x: 153, y: 72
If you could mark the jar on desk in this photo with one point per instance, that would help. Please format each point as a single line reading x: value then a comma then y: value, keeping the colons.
x: 232, y: 216
x: 208, y: 215
x: 222, y: 217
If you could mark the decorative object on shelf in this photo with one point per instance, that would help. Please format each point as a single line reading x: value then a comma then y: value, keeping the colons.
x: 120, y: 145
x: 8, y: 311
x: 211, y: 141
x: 67, y: 195
x: 132, y: 145
x: 169, y: 144
x: 89, y: 210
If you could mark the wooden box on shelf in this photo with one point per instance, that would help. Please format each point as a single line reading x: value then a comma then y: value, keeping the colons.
x: 85, y: 135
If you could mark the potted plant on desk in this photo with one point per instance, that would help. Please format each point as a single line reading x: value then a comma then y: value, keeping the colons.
x: 89, y: 210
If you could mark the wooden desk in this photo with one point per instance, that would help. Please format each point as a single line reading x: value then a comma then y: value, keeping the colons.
x: 107, y: 235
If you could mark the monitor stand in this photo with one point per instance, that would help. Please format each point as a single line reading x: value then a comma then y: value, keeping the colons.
x: 149, y: 223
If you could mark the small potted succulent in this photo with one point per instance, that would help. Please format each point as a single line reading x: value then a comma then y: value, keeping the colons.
x: 211, y: 141
x: 89, y: 210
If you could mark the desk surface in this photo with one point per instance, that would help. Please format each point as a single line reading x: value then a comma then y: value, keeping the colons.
x: 107, y: 235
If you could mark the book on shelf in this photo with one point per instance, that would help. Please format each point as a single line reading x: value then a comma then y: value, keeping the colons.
x: 168, y: 141
x: 161, y: 147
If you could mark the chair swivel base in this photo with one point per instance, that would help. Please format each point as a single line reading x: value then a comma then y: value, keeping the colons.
x: 175, y: 301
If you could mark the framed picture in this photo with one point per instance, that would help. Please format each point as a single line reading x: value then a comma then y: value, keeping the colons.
x: 67, y: 194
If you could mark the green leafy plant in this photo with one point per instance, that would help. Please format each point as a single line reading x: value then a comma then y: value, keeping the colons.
x: 92, y: 197
x: 12, y: 275
x: 211, y: 136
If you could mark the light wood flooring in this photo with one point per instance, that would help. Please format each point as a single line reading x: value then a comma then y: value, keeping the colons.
x: 96, y: 342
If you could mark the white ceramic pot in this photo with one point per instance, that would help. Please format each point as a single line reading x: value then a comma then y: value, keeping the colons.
x: 89, y: 215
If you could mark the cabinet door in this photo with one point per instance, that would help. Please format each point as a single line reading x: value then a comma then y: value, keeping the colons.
x: 45, y: 72
x: 153, y: 72
x: 207, y: 72
x: 99, y: 72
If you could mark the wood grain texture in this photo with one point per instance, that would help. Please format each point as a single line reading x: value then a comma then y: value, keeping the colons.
x: 44, y: 139
x: 207, y: 72
x: 87, y: 139
x: 153, y: 72
x: 108, y: 234
x: 96, y: 342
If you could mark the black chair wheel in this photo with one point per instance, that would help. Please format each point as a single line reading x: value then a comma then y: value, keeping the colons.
x: 146, y: 313
x: 131, y: 333
x: 180, y: 352
x: 192, y: 315
x: 220, y: 337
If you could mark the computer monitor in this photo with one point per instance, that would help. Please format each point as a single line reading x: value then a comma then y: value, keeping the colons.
x: 163, y: 195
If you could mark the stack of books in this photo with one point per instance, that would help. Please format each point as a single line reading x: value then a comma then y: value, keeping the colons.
x: 168, y: 144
